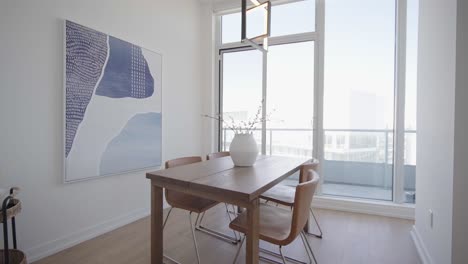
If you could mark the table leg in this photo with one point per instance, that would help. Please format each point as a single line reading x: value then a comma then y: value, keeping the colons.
x: 252, y: 247
x: 156, y: 224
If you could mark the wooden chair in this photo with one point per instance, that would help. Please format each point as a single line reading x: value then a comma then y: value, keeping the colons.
x: 216, y: 155
x: 199, y: 226
x: 282, y: 194
x: 193, y: 204
x: 186, y: 201
x: 281, y: 227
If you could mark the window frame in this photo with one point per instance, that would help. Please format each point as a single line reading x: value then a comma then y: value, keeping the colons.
x: 318, y: 37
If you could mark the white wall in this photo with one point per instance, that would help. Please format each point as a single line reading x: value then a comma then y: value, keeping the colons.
x: 31, y: 106
x: 460, y: 179
x: 435, y: 146
x: 208, y: 95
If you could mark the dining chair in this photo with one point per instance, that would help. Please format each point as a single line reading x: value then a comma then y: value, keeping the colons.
x: 216, y: 155
x: 187, y: 202
x: 190, y: 203
x: 281, y: 227
x: 211, y: 156
x: 284, y: 195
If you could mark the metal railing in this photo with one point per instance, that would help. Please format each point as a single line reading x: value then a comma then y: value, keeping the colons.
x: 270, y: 132
x: 368, y: 164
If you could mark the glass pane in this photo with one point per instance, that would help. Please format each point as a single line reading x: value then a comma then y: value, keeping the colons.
x: 359, y: 98
x: 231, y: 28
x: 256, y: 18
x: 410, y: 100
x: 293, y: 18
x: 242, y: 89
x: 290, y: 99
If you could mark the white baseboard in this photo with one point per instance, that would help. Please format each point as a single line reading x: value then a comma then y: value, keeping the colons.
x: 376, y: 208
x: 51, y: 247
x: 420, y: 247
x: 365, y: 207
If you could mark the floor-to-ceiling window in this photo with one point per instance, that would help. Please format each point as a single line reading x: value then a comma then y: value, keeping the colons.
x: 290, y: 99
x: 331, y: 89
x: 245, y: 94
x: 410, y: 100
x: 289, y: 66
x: 359, y: 94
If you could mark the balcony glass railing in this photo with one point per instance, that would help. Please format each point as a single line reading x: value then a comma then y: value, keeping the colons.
x: 357, y: 162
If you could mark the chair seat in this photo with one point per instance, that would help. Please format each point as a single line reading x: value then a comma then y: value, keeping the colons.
x: 189, y: 202
x: 274, y: 224
x: 280, y: 194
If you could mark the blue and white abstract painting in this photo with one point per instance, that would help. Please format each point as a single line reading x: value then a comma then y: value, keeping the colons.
x: 112, y: 105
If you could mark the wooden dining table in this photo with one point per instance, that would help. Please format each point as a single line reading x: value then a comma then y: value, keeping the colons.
x: 220, y: 180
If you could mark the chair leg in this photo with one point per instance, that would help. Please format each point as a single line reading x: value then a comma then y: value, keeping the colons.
x: 282, y: 256
x: 164, y: 225
x: 219, y: 235
x: 234, y: 210
x: 167, y: 217
x: 192, y: 228
x: 308, y: 246
x: 230, y: 220
x: 238, y: 250
x: 305, y: 247
x: 277, y: 255
x: 201, y: 219
x: 318, y: 226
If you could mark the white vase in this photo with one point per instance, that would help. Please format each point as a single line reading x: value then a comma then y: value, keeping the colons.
x: 244, y: 150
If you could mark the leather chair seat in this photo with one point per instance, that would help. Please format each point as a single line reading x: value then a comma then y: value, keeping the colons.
x: 189, y: 202
x: 274, y: 224
x: 280, y: 194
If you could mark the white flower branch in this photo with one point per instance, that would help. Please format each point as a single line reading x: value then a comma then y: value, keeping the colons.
x: 243, y: 126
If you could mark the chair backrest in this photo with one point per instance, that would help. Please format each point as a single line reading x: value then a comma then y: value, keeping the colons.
x: 304, y: 193
x: 182, y: 161
x: 218, y: 155
x: 173, y: 197
x: 304, y: 176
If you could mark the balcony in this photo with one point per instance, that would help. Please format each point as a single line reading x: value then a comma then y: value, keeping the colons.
x: 357, y: 163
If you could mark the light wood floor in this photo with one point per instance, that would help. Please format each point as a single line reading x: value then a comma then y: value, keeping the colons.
x: 348, y: 238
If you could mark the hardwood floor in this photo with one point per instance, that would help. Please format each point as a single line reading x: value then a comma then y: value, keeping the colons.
x: 348, y: 238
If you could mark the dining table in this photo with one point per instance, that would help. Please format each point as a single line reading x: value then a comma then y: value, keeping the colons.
x: 220, y: 180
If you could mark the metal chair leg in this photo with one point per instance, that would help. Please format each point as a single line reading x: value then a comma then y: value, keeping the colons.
x: 276, y: 255
x: 201, y: 219
x: 230, y: 220
x: 164, y: 225
x: 238, y: 250
x: 308, y: 246
x: 234, y: 211
x: 192, y: 228
x: 209, y: 231
x: 282, y: 256
x: 318, y: 226
x: 167, y: 217
x: 305, y: 247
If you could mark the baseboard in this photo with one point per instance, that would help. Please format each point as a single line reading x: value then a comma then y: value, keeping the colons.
x: 375, y: 208
x: 51, y: 247
x: 420, y: 247
x: 365, y: 207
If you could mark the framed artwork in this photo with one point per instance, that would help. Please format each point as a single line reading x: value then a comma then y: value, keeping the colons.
x: 113, y: 113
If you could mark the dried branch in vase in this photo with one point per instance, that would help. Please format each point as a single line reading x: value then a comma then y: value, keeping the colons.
x: 243, y: 126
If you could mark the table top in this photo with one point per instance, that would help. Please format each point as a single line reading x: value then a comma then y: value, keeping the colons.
x: 220, y: 176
